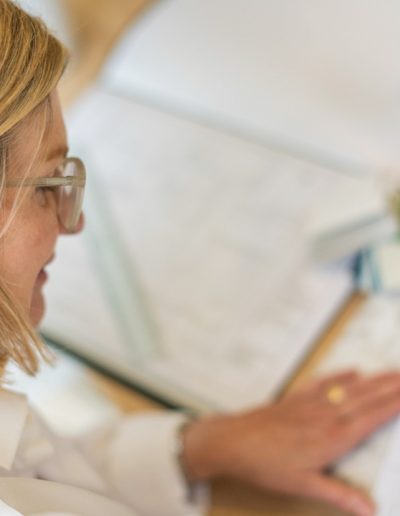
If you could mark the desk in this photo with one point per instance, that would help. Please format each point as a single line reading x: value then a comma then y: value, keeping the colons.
x: 95, y: 26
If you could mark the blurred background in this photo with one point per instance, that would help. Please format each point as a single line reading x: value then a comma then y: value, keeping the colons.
x: 89, y: 28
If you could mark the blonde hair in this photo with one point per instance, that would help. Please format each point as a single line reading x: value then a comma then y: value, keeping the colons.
x: 32, y: 61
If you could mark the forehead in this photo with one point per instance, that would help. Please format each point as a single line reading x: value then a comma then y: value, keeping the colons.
x: 54, y: 141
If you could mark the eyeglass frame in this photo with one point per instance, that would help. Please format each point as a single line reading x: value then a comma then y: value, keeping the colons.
x: 54, y: 181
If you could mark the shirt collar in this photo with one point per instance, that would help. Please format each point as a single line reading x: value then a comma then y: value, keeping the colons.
x: 13, y: 413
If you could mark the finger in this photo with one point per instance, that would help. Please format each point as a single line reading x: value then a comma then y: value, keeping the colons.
x: 321, y: 385
x: 362, y: 395
x: 370, y: 420
x: 339, y: 494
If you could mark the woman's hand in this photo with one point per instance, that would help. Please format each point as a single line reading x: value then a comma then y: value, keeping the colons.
x: 286, y: 446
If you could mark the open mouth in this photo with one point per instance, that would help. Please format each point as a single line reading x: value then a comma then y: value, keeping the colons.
x: 43, y: 274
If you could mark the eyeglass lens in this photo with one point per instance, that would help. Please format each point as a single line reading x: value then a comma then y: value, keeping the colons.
x: 70, y: 197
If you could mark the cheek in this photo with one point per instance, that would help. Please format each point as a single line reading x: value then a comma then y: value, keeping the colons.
x: 27, y: 247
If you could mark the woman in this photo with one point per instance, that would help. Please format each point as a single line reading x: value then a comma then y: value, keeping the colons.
x: 151, y: 464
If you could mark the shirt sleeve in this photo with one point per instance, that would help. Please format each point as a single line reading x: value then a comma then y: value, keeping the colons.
x: 138, y: 457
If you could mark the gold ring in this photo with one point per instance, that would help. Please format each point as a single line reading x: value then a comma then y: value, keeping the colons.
x: 336, y: 394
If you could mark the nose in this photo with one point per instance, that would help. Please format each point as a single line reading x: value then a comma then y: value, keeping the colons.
x: 78, y: 228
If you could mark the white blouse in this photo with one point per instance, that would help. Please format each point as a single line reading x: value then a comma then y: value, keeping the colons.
x: 128, y: 468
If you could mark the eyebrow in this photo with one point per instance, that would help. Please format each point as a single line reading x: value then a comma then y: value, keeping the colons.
x: 62, y: 150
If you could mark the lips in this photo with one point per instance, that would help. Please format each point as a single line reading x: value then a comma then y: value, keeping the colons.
x: 43, y: 275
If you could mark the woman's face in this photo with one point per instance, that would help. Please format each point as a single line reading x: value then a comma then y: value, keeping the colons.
x: 28, y: 244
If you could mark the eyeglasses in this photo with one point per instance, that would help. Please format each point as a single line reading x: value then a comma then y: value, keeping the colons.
x: 68, y: 185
